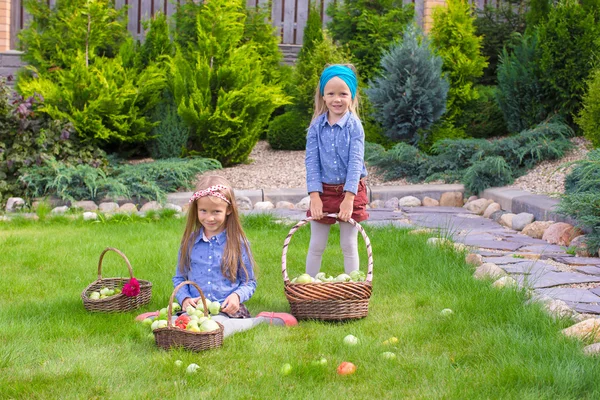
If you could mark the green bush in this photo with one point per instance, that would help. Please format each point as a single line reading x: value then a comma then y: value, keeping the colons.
x: 170, y: 135
x: 453, y: 36
x: 401, y: 161
x: 367, y: 28
x: 520, y: 93
x: 589, y: 116
x: 568, y: 49
x: 482, y: 118
x: 410, y: 94
x: 489, y: 172
x: 497, y: 24
x: 150, y: 181
x: 221, y: 92
x: 157, y: 43
x: 537, y: 12
x: 288, y: 131
x: 581, y: 200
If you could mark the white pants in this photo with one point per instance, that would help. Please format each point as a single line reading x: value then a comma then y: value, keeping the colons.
x: 319, y: 233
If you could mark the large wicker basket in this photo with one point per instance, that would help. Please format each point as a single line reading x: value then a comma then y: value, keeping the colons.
x: 118, y: 302
x: 172, y: 336
x: 328, y: 301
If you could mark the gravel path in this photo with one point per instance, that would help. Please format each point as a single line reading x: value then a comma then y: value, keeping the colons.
x: 272, y: 169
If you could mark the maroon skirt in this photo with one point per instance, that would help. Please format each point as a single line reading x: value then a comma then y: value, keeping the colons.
x: 332, y: 198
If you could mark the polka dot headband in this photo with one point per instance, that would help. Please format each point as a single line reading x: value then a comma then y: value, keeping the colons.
x: 213, y: 191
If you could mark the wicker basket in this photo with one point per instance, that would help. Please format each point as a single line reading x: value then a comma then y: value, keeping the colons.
x: 171, y: 336
x: 329, y: 301
x: 118, y: 302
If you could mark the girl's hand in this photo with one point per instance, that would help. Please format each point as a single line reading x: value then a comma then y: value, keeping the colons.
x: 189, y: 302
x: 316, y: 206
x: 231, y: 305
x: 346, y: 208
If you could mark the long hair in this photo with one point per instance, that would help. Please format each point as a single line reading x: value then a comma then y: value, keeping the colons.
x: 236, y: 238
x: 321, y: 107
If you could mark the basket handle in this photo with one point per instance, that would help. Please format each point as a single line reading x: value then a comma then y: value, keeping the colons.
x: 119, y: 253
x: 286, y: 242
x: 170, y: 306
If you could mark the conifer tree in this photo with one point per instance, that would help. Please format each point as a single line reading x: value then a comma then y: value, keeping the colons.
x: 410, y: 92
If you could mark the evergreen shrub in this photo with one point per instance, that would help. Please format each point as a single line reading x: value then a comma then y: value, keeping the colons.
x: 288, y: 131
x: 589, y: 116
x: 482, y: 118
x: 488, y: 172
x: 409, y: 95
x: 401, y: 161
x: 170, y: 134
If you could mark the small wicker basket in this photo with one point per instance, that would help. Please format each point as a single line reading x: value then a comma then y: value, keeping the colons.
x: 172, y: 336
x: 328, y: 301
x: 118, y: 302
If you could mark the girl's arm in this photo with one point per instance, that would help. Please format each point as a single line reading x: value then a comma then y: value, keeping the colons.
x: 312, y: 161
x: 356, y: 158
x: 184, y: 292
x: 246, y: 287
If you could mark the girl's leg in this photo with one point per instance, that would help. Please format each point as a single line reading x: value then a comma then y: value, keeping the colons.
x: 348, y: 242
x: 319, y: 233
x: 234, y: 325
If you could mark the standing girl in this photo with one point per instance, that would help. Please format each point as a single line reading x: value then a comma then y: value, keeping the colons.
x: 215, y: 254
x: 335, y: 166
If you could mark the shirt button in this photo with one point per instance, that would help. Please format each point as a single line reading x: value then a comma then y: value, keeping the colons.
x: 209, y: 256
x: 209, y: 282
x: 209, y: 270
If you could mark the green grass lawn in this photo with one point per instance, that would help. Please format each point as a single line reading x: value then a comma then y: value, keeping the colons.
x: 493, y: 345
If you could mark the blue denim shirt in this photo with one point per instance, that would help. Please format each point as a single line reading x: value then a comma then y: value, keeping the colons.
x: 335, y: 154
x: 205, y: 271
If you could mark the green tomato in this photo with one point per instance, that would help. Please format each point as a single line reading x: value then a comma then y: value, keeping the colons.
x: 175, y: 307
x: 95, y: 295
x: 147, y: 322
x: 304, y: 278
x: 286, y: 369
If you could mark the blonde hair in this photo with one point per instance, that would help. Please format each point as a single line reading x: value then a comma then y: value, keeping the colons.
x: 236, y: 238
x: 321, y: 107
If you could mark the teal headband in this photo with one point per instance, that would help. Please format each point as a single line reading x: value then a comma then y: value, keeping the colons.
x: 341, y: 71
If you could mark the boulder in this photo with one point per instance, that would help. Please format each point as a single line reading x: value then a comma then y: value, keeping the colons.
x: 474, y: 259
x: 580, y: 247
x: 90, y: 216
x: 263, y: 205
x: 505, y: 281
x: 506, y: 219
x: 492, y: 208
x: 127, y: 208
x: 391, y: 203
x: 488, y: 270
x: 536, y: 229
x: 303, y: 204
x: 151, y: 205
x: 14, y: 204
x: 496, y: 215
x: 85, y: 205
x: 429, y: 202
x: 185, y: 208
x: 243, y: 203
x: 592, y: 349
x: 108, y: 207
x: 561, y: 233
x: 472, y: 198
x: 587, y: 329
x: 559, y: 309
x: 478, y: 206
x: 171, y: 206
x: 377, y: 204
x: 434, y: 241
x: 409, y: 201
x: 60, y: 210
x: 451, y: 199
x: 285, y: 204
x: 521, y: 220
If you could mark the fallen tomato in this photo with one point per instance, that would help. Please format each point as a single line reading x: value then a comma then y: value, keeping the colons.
x: 182, y: 321
x: 346, y: 368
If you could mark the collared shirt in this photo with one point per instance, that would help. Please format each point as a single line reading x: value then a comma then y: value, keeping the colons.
x: 205, y: 271
x: 335, y: 154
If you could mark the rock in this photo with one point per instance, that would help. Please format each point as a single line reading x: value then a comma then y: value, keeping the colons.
x: 90, y: 216
x: 561, y: 233
x: 506, y: 219
x: 580, y: 247
x: 85, y: 205
x: 589, y: 328
x: 472, y: 198
x: 4, y: 218
x: 496, y: 215
x: 421, y: 231
x: 488, y: 270
x: 592, y: 349
x: 14, y: 204
x: 304, y: 204
x: 244, y: 203
x: 461, y: 247
x: 263, y: 205
x: 60, y: 210
x: 171, y: 206
x: 521, y: 220
x: 391, y: 203
x: 377, y: 204
x: 474, y: 259
x: 505, y: 281
x: 434, y: 241
x: 451, y: 199
x: 108, y: 207
x: 492, y: 208
x: 185, y: 208
x: 409, y: 201
x: 536, y: 229
x: 285, y: 204
x: 558, y: 309
x: 151, y: 205
x: 127, y: 208
x: 478, y: 206
x: 429, y: 202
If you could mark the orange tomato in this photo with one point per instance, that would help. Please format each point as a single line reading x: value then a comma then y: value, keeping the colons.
x: 346, y: 368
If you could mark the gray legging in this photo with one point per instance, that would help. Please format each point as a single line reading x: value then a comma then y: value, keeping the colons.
x: 319, y: 233
x: 234, y: 325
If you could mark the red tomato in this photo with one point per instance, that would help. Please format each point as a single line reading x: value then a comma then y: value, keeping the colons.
x: 182, y: 321
x: 346, y: 368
